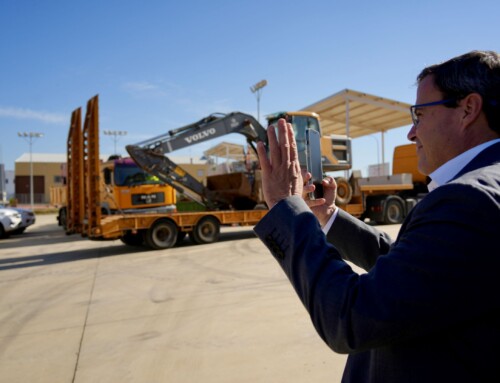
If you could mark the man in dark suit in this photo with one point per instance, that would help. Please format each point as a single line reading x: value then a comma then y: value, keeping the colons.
x: 428, y: 308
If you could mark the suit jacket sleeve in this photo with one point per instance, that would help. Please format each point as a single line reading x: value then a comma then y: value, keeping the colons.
x: 356, y: 241
x: 436, y: 275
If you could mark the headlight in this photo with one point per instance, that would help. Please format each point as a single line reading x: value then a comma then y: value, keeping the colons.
x: 10, y: 213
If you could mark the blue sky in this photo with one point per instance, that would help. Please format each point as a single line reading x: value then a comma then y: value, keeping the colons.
x: 158, y: 65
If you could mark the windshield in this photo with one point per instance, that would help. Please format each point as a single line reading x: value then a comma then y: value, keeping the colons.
x: 131, y: 174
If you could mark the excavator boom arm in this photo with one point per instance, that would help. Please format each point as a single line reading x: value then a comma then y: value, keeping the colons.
x: 213, y: 126
x: 150, y: 154
x: 172, y: 174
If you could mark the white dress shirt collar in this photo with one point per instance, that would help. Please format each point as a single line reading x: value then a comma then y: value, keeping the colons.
x: 450, y: 169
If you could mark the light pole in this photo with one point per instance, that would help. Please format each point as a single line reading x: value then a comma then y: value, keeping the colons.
x: 116, y: 134
x: 30, y: 137
x: 257, y: 90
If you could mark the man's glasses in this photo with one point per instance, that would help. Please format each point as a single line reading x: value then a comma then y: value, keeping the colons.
x: 414, y: 108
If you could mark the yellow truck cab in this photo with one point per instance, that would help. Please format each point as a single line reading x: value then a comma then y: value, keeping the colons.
x: 127, y: 187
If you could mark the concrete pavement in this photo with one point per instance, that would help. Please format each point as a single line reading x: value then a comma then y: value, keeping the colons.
x: 74, y: 310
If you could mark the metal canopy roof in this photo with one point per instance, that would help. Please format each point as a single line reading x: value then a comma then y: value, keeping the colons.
x: 229, y: 150
x: 358, y: 114
x: 347, y: 112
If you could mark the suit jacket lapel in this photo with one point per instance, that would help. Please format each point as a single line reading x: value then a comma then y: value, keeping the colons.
x: 487, y: 157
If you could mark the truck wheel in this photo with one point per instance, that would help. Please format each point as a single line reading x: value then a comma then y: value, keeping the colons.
x: 394, y: 212
x: 62, y: 218
x: 207, y: 230
x: 180, y: 237
x: 344, y: 191
x: 161, y: 235
x: 132, y: 239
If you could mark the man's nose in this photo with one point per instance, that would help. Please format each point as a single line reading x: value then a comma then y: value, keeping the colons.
x: 412, y: 136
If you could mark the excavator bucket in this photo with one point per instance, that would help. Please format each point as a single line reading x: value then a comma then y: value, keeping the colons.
x: 236, y: 187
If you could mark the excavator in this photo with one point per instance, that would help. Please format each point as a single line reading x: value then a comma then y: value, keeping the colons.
x: 241, y: 190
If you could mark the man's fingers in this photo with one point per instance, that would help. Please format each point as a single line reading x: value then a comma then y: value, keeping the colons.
x: 309, y: 188
x: 284, y: 142
x: 315, y: 202
x: 293, y: 145
x: 263, y: 160
x: 306, y: 176
x: 274, y: 151
x: 329, y: 182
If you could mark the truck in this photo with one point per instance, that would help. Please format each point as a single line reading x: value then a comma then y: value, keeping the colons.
x: 388, y: 199
x: 123, y: 186
x: 228, y: 199
x: 156, y: 230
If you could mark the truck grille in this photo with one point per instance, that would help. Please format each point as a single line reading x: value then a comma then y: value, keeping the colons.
x: 148, y: 199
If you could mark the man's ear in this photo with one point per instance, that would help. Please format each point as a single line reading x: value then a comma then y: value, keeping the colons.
x: 473, y: 106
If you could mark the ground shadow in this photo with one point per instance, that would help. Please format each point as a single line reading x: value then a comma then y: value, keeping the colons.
x: 65, y: 256
x: 224, y: 237
x: 50, y: 236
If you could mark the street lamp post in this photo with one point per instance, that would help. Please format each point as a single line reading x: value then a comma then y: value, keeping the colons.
x: 30, y: 137
x: 257, y: 90
x: 115, y: 134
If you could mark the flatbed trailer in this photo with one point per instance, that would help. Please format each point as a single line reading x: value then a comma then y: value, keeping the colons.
x: 388, y: 199
x: 161, y: 231
x: 154, y: 230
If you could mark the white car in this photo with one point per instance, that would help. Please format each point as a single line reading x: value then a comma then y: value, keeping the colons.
x: 15, y: 220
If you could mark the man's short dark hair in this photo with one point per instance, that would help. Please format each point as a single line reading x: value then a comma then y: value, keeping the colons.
x: 473, y: 72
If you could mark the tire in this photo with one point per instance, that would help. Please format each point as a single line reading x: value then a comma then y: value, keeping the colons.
x: 394, y: 212
x: 180, y: 237
x: 344, y: 191
x: 3, y: 233
x: 132, y: 239
x: 18, y: 231
x: 161, y: 235
x: 63, y: 218
x: 207, y: 230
